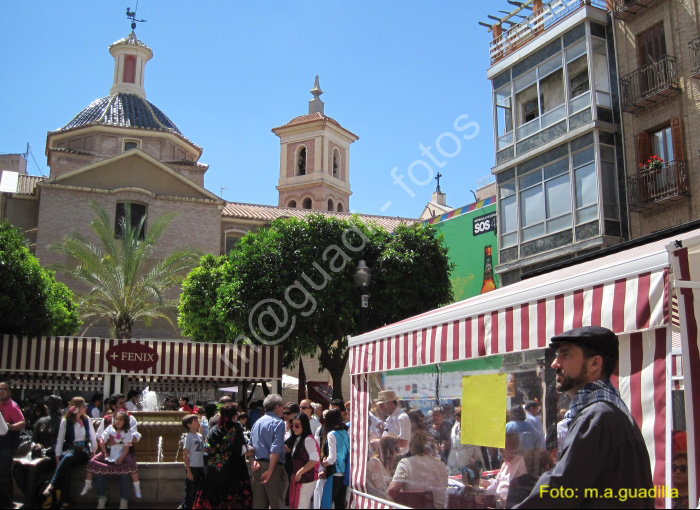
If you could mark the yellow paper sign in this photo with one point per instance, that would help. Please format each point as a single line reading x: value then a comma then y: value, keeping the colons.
x: 484, y: 410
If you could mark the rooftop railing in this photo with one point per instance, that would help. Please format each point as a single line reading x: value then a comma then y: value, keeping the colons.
x: 541, y: 20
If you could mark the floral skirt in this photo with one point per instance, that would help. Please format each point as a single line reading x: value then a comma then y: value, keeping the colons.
x: 236, y: 495
x: 98, y: 465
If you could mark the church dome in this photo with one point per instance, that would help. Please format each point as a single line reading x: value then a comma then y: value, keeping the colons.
x: 123, y: 110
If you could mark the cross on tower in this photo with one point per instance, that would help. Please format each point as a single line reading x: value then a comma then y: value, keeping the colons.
x: 438, y: 181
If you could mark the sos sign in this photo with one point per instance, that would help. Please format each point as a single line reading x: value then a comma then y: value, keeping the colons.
x: 484, y: 224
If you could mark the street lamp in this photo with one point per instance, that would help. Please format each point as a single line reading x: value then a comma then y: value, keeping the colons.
x: 362, y: 277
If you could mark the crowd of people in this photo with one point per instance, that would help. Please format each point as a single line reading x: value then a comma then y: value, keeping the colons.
x: 277, y: 454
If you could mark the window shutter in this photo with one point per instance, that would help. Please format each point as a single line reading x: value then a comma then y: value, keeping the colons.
x: 677, y: 135
x: 643, y: 148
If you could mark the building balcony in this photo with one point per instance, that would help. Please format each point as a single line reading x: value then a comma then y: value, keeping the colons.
x: 625, y: 9
x: 647, y: 86
x: 694, y: 46
x: 542, y: 19
x: 649, y: 188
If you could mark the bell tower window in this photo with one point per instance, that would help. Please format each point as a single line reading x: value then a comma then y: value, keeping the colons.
x: 336, y: 164
x: 301, y: 161
x: 330, y: 204
x: 129, y: 69
x: 306, y: 204
x: 340, y: 207
x: 292, y: 203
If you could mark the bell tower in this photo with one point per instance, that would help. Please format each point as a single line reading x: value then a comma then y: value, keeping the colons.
x: 314, y: 160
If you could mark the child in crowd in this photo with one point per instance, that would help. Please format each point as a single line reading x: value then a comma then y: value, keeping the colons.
x: 193, y: 457
x: 119, y: 437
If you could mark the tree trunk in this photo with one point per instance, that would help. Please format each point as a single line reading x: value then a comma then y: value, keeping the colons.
x: 337, y: 376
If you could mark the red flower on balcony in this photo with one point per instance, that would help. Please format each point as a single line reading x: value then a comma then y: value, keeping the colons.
x: 653, y: 163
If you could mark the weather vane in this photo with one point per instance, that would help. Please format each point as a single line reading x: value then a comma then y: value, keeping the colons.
x: 132, y: 16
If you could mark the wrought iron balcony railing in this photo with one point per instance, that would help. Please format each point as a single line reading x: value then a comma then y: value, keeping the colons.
x: 650, y: 84
x: 541, y: 20
x: 624, y: 9
x: 650, y: 187
x: 695, y: 57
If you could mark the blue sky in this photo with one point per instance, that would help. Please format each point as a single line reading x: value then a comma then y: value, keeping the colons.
x: 396, y: 73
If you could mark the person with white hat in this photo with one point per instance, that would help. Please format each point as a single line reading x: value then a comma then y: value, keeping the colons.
x: 397, y: 421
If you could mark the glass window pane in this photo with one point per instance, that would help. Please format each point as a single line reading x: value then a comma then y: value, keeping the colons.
x: 578, y: 77
x: 600, y: 71
x: 507, y: 189
x: 558, y: 194
x: 503, y: 93
x: 531, y: 179
x: 586, y: 188
x: 586, y: 214
x: 532, y: 206
x: 599, y: 46
x: 509, y: 215
x: 609, y: 178
x: 551, y: 65
x: 527, y: 105
x: 553, y: 116
x: 583, y: 157
x: 504, y: 118
x: 558, y: 224
x: 533, y: 232
x: 556, y: 168
x: 669, y: 145
x: 607, y: 153
x: 576, y: 50
x: 509, y: 240
x: 552, y: 91
x: 525, y: 80
x: 581, y: 102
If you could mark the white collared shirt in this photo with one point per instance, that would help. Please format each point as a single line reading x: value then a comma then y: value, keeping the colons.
x: 399, y: 424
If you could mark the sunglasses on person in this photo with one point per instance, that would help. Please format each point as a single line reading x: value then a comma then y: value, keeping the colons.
x: 287, y: 413
x: 296, y: 425
x: 682, y: 468
x: 304, y: 407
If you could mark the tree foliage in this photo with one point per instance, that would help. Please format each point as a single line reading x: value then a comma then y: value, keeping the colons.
x: 124, y: 284
x: 291, y: 285
x: 32, y: 302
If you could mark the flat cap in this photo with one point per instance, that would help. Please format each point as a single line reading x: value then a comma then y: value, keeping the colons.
x: 598, y: 339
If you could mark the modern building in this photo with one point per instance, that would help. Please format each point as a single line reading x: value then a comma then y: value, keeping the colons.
x: 658, y: 47
x: 559, y: 161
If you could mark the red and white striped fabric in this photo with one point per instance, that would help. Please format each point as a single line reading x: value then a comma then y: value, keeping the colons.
x: 77, y: 355
x: 685, y: 257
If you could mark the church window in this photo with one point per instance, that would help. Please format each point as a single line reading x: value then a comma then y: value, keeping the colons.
x: 306, y: 204
x: 301, y: 161
x: 340, y: 207
x: 292, y: 203
x: 130, y: 144
x: 336, y: 163
x: 330, y: 204
x: 135, y: 214
x: 130, y: 69
x: 232, y: 239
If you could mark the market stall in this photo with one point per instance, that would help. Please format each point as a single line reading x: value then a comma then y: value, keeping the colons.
x: 108, y: 365
x: 628, y: 291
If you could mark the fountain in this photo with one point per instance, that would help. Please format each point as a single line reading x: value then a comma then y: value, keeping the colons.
x: 160, y: 430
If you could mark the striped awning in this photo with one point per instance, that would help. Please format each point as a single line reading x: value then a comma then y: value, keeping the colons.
x: 627, y: 292
x: 179, y: 359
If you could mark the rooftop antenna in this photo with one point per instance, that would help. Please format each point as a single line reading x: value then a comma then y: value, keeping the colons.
x: 132, y: 16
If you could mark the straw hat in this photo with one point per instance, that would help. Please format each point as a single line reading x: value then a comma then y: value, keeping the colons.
x: 386, y: 396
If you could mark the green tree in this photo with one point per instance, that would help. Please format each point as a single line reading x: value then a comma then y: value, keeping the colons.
x: 292, y: 284
x: 32, y: 302
x: 123, y: 283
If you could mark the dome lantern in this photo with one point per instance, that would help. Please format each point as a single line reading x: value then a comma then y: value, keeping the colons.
x: 130, y: 57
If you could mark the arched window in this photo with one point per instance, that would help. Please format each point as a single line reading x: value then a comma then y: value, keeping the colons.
x: 306, y: 204
x: 232, y: 239
x: 336, y: 163
x: 135, y: 212
x: 301, y: 160
x: 292, y: 203
x: 340, y: 207
x: 129, y: 69
x: 330, y: 204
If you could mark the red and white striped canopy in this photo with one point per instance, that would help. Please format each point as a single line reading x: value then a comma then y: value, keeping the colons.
x: 181, y: 359
x: 627, y: 292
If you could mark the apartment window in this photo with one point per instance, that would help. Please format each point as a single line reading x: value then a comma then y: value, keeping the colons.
x: 600, y: 73
x: 504, y: 117
x: 545, y: 200
x: 508, y: 222
x: 609, y: 181
x: 539, y: 97
x: 666, y: 143
x: 651, y: 45
x: 577, y: 72
x: 586, y: 186
x: 135, y: 213
x: 662, y: 144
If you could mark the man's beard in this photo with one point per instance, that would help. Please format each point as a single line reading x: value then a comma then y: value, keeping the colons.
x: 569, y: 383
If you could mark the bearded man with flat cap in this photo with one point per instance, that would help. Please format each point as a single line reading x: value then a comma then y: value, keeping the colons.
x: 603, y: 450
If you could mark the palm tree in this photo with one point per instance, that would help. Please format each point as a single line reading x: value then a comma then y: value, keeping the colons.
x: 123, y: 285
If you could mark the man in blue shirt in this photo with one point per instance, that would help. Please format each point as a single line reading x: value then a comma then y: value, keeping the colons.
x: 270, y: 480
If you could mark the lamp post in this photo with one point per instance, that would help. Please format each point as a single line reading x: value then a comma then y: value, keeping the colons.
x: 362, y: 277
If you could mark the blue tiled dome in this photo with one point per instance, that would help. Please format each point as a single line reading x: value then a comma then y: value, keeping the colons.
x: 123, y: 110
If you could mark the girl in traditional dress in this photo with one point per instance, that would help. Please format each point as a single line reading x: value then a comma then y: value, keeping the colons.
x: 226, y: 484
